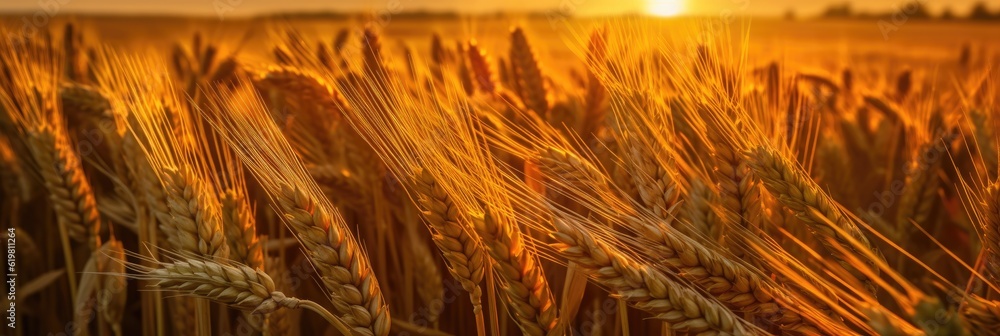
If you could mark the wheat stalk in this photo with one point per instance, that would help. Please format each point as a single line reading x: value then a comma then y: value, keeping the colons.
x: 991, y: 230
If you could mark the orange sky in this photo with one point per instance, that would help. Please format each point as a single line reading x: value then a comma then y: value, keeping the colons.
x: 582, y: 7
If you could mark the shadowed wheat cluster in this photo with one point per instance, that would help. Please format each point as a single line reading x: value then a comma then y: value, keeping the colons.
x: 657, y: 183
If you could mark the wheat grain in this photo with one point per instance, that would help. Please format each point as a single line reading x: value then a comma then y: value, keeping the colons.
x: 729, y: 281
x: 654, y: 182
x: 570, y: 168
x: 597, y: 95
x: 305, y: 89
x: 466, y: 75
x: 888, y: 109
x: 739, y: 194
x: 238, y: 286
x: 698, y: 208
x: 83, y: 100
x: 240, y: 229
x: 904, y: 84
x: 920, y: 189
x: 374, y: 63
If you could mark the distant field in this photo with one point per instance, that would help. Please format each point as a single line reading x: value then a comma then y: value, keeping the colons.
x: 815, y: 43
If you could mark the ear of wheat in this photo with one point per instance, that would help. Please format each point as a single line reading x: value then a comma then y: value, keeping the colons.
x: 812, y: 205
x: 240, y: 229
x: 463, y: 254
x: 524, y: 64
x: 167, y: 135
x: 527, y: 290
x: 461, y: 160
x: 644, y: 287
x: 30, y: 100
x: 342, y: 264
x: 730, y: 281
x: 233, y: 284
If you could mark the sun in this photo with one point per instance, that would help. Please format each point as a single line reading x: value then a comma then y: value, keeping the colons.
x: 665, y: 8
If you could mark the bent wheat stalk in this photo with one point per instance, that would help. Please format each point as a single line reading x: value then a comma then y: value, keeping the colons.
x: 233, y: 284
x: 644, y: 287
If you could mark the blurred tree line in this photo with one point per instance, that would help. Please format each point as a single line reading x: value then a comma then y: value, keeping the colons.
x: 915, y: 9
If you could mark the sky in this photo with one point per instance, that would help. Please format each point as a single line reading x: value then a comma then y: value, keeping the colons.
x: 580, y: 7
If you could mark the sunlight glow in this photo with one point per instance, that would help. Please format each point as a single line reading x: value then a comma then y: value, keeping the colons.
x: 665, y: 8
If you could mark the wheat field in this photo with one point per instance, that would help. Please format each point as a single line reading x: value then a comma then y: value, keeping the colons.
x: 504, y: 176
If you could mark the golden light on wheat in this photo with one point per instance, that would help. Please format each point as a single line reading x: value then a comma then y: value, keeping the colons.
x: 654, y: 180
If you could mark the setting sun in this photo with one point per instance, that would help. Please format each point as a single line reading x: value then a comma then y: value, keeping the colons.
x: 665, y: 8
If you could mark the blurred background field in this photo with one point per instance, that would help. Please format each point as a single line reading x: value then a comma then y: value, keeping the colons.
x: 829, y: 44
